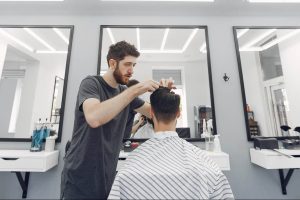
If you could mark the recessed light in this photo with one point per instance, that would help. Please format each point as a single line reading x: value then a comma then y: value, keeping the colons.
x: 33, y: 34
x: 274, y: 1
x: 23, y: 44
x: 29, y: 0
x: 112, y: 39
x: 61, y: 35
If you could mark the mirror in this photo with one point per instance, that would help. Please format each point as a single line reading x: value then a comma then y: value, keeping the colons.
x: 56, y: 99
x: 180, y: 52
x: 269, y: 67
x: 32, y: 58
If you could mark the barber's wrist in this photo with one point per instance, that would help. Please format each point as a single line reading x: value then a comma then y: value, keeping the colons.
x: 131, y: 93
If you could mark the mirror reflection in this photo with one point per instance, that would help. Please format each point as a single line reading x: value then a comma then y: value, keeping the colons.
x: 32, y: 60
x: 176, y: 52
x: 269, y: 68
x: 56, y: 100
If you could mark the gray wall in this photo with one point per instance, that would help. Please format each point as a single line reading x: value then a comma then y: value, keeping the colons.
x: 247, y: 180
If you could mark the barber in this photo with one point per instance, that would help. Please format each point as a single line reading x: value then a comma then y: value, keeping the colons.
x: 101, y: 112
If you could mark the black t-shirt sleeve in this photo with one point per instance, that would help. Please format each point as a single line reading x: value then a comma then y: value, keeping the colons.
x: 88, y: 89
x: 136, y: 103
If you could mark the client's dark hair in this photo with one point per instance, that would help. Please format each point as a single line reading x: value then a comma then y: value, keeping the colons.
x: 119, y: 50
x: 165, y: 104
x: 132, y: 82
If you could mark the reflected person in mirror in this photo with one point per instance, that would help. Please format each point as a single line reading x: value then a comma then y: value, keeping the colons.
x: 144, y: 131
x: 101, y: 112
x: 166, y: 166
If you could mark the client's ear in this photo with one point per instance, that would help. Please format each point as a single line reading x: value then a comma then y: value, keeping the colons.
x: 151, y: 113
x: 178, y: 113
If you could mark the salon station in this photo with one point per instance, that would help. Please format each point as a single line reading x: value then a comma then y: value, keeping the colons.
x: 233, y: 63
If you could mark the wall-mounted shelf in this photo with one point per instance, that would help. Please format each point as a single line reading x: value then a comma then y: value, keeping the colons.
x: 18, y: 161
x: 270, y: 159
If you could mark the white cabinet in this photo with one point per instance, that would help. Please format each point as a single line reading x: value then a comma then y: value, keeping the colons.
x: 270, y: 159
x: 18, y: 161
x: 26, y: 161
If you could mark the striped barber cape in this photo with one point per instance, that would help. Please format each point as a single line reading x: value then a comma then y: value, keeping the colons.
x: 168, y: 167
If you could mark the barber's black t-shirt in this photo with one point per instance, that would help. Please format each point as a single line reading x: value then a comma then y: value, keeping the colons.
x: 91, y: 161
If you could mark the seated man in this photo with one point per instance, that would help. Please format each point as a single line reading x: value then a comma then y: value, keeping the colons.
x: 166, y: 166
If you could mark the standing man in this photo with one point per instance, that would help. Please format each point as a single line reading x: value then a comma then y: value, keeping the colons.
x: 101, y: 112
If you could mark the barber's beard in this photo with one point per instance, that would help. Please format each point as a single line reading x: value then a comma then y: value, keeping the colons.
x: 119, y: 77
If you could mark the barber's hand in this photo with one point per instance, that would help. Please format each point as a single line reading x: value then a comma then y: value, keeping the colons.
x: 141, y: 120
x: 168, y: 83
x: 147, y: 86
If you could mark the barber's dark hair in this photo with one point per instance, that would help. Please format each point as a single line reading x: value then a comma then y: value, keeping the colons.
x: 165, y: 104
x: 119, y: 50
x: 132, y: 82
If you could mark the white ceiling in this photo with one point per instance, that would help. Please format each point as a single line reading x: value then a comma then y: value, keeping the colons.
x: 152, y: 39
x: 46, y: 34
x: 19, y: 56
x: 260, y: 37
x: 217, y: 8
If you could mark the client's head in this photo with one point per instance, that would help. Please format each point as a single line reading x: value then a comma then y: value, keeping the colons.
x: 165, y: 108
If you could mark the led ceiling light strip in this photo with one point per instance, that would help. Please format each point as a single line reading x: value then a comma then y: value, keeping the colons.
x: 61, y: 35
x: 273, y: 42
x: 203, y: 48
x: 138, y: 39
x: 192, y: 35
x: 51, y: 52
x: 259, y: 38
x: 29, y: 48
x: 164, y: 0
x: 164, y: 39
x: 280, y: 39
x: 159, y: 51
x: 112, y: 39
x: 175, y: 51
x: 242, y: 32
x: 39, y: 39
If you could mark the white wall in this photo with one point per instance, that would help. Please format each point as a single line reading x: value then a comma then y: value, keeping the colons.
x: 3, y: 49
x: 254, y: 90
x: 50, y: 66
x: 248, y: 181
x: 290, y: 60
x: 37, y: 92
x: 197, y: 90
x: 7, y: 94
x: 27, y: 101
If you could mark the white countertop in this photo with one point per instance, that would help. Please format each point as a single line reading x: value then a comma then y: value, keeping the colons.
x: 26, y: 161
x: 270, y: 159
